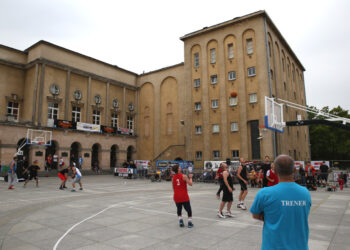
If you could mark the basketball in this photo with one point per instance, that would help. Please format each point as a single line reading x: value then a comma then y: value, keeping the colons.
x: 233, y: 94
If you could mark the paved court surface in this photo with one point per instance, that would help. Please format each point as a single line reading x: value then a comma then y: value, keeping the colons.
x: 113, y: 213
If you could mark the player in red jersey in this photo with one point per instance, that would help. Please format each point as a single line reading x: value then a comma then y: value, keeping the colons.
x: 271, y: 176
x: 181, y: 197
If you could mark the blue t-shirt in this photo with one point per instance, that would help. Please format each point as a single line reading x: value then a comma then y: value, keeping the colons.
x: 286, y: 208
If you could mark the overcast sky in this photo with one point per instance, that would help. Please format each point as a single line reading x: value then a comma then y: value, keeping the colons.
x: 143, y: 35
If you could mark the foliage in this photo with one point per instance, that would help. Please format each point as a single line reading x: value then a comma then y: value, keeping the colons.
x: 329, y: 143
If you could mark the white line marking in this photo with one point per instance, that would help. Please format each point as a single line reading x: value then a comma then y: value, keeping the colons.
x: 77, y: 224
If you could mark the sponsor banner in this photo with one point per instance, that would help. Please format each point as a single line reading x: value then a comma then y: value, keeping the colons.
x: 88, y: 127
x: 214, y: 165
x: 125, y: 131
x: 140, y: 164
x: 317, y: 164
x: 297, y: 164
x: 166, y: 164
x: 124, y: 171
x: 65, y: 124
x: 108, y: 130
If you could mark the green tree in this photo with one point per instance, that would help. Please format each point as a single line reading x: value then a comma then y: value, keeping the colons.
x: 329, y: 143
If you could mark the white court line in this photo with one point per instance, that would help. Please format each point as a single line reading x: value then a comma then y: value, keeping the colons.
x: 77, y: 224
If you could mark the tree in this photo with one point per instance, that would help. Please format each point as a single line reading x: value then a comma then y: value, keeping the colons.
x: 329, y: 143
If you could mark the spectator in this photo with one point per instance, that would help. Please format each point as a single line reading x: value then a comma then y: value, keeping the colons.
x: 81, y: 160
x: 266, y: 166
x: 324, y: 172
x: 284, y: 208
x: 12, y: 176
x: 302, y: 175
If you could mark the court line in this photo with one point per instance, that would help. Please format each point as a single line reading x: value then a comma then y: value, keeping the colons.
x: 77, y: 224
x: 320, y: 203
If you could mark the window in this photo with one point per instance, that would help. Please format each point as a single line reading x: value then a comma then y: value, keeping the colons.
x: 76, y: 114
x: 212, y: 56
x: 197, y: 83
x: 295, y: 95
x: 214, y: 79
x: 197, y: 106
x: 250, y: 49
x: 53, y: 110
x: 285, y: 86
x: 12, y: 110
x: 115, y: 120
x: 233, y: 101
x: 271, y: 72
x: 198, y: 155
x: 253, y: 98
x: 130, y: 122
x: 235, y: 154
x: 283, y: 64
x: 216, y: 155
x: 216, y: 128
x: 198, y: 130
x: 96, y: 117
x: 269, y: 49
x: 232, y: 75
x: 215, y: 103
x: 234, y: 126
x: 230, y: 51
x: 196, y: 60
x: 251, y: 71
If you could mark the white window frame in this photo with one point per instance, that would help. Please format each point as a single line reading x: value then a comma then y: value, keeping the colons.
x: 234, y: 126
x: 250, y: 46
x: 253, y: 98
x: 215, y: 103
x: 235, y: 154
x: 216, y: 154
x: 232, y: 75
x: 96, y: 117
x: 76, y: 114
x: 213, y: 55
x: 198, y: 155
x: 216, y: 128
x: 197, y: 106
x: 230, y: 51
x: 196, y: 60
x: 233, y: 101
x: 198, y: 130
x: 115, y: 120
x: 213, y: 79
x: 130, y: 122
x: 53, y: 110
x: 197, y: 83
x: 251, y: 71
x: 12, y: 110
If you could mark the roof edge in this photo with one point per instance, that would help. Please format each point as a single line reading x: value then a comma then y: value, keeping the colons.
x: 76, y: 53
x: 15, y: 50
x: 161, y: 69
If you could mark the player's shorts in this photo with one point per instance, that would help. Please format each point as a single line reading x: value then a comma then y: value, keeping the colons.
x: 243, y: 185
x: 227, y: 195
x: 33, y: 176
x: 324, y: 176
x: 62, y: 176
x: 76, y: 179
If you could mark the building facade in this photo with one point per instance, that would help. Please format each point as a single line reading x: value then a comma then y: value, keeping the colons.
x: 183, y: 111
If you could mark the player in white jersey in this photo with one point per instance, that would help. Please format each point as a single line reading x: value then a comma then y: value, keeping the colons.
x: 76, y: 175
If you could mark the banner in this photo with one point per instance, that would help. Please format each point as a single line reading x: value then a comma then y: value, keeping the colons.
x: 65, y: 124
x: 140, y: 164
x: 214, y: 165
x: 297, y: 164
x: 88, y: 127
x: 166, y: 164
x: 108, y: 130
x: 317, y: 164
x: 125, y: 131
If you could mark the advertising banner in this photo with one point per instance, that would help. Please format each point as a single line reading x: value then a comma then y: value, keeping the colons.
x: 88, y: 127
x: 124, y: 171
x: 108, y: 130
x: 317, y: 164
x: 140, y: 164
x: 183, y: 164
x: 214, y: 165
x: 65, y: 124
x: 297, y: 164
x: 125, y: 131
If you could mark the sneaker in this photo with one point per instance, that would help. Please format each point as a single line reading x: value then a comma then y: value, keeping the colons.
x: 242, y: 206
x: 73, y: 190
x: 220, y: 215
x: 61, y: 188
x: 190, y: 224
x: 80, y: 188
x: 228, y: 214
x: 64, y: 187
x: 239, y: 205
x: 181, y: 223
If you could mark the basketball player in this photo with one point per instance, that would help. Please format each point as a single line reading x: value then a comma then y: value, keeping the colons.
x: 227, y: 196
x: 220, y: 179
x: 242, y: 175
x: 62, y: 174
x: 76, y: 177
x: 181, y: 197
x: 33, y: 173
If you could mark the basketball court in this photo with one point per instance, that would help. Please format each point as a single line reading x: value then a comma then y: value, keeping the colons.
x: 114, y: 213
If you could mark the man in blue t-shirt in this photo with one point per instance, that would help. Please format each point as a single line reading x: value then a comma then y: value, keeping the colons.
x: 284, y: 209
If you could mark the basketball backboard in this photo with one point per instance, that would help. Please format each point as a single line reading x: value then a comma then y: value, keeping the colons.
x: 274, y: 115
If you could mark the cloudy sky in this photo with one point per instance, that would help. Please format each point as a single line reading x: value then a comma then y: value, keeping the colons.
x: 143, y: 35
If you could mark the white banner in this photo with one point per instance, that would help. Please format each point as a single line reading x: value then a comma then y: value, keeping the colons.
x: 88, y: 127
x: 208, y: 165
x: 140, y: 164
x: 297, y: 164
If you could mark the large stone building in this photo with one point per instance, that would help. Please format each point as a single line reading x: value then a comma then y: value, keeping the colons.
x: 183, y: 111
